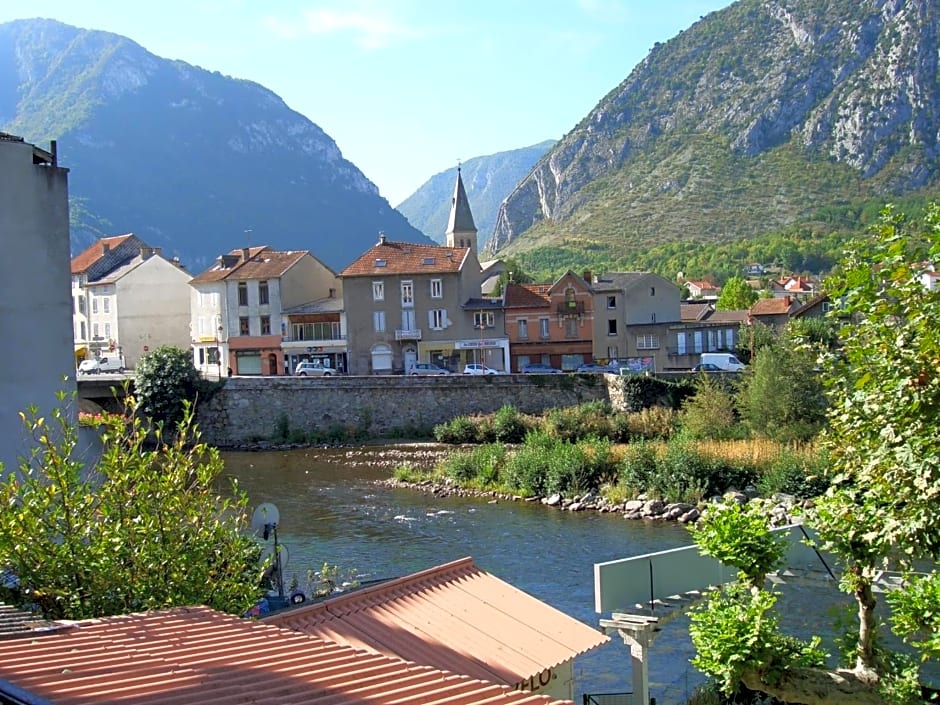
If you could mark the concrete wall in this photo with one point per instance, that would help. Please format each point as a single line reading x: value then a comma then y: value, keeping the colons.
x: 250, y: 409
x: 36, y: 310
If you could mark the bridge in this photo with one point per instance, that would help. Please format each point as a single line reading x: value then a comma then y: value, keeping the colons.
x: 105, y: 390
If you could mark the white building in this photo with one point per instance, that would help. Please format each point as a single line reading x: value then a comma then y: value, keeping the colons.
x: 127, y: 298
x: 34, y: 313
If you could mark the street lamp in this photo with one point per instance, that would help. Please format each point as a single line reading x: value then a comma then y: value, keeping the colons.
x: 218, y: 350
x: 482, y: 328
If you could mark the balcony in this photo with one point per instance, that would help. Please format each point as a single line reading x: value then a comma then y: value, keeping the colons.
x: 570, y: 308
x: 408, y: 334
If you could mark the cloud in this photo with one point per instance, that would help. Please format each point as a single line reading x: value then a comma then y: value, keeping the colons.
x: 368, y: 30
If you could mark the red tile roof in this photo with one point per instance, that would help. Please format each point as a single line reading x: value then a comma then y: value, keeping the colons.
x: 262, y: 263
x: 388, y: 257
x: 527, y: 295
x: 190, y: 656
x: 83, y: 260
x: 455, y: 617
x: 771, y: 307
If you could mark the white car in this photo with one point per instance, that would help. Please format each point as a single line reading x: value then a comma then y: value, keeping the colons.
x: 106, y: 363
x: 305, y: 368
x: 475, y: 368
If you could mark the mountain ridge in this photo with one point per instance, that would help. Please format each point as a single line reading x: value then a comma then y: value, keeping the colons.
x: 190, y: 160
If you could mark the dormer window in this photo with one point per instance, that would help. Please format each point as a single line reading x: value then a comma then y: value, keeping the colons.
x: 428, y: 260
x: 381, y: 262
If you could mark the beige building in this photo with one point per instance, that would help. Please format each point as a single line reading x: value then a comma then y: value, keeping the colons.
x: 128, y: 299
x: 238, y: 308
x: 407, y: 303
x: 633, y: 317
x: 34, y: 313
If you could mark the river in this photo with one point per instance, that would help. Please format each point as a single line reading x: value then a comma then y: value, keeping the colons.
x: 332, y: 511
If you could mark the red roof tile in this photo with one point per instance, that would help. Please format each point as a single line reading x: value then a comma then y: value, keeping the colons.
x: 527, y: 295
x: 455, y: 617
x: 189, y: 656
x: 83, y: 260
x: 388, y: 257
x: 262, y: 263
x: 770, y: 307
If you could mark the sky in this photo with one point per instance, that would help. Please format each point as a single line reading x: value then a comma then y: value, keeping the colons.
x: 406, y: 88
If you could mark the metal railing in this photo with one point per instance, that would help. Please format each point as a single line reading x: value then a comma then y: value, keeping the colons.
x: 607, y: 699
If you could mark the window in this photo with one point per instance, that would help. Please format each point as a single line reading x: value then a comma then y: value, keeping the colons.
x: 543, y: 327
x: 571, y: 327
x: 81, y: 304
x: 82, y: 325
x: 613, y: 352
x: 94, y: 304
x: 647, y: 342
x: 263, y: 295
x: 523, y: 328
x: 407, y: 294
x: 378, y: 291
x: 484, y: 319
x: 378, y: 321
x: 611, y: 302
x: 106, y: 304
x: 242, y: 293
x: 243, y: 328
x: 611, y: 326
x: 94, y: 332
x: 327, y: 330
x: 697, y: 341
x: 107, y: 331
x: 680, y: 343
x: 652, y: 291
x: 265, y: 325
x: 437, y: 289
x: 437, y: 318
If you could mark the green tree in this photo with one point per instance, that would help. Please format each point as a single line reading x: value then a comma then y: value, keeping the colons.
x: 710, y: 412
x: 781, y: 394
x: 880, y: 511
x: 165, y: 379
x: 145, y: 528
x: 736, y: 295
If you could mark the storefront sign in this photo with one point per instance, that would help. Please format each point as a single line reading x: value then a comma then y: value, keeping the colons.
x: 476, y: 344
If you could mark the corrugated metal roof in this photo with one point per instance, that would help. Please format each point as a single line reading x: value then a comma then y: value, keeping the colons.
x: 455, y: 617
x: 14, y: 623
x: 195, y: 655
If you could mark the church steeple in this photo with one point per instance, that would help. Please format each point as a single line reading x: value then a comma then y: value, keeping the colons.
x: 461, y: 232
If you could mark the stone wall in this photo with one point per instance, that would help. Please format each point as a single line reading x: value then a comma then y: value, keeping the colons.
x: 253, y: 409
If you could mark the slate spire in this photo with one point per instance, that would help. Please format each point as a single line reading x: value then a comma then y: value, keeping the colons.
x: 461, y: 232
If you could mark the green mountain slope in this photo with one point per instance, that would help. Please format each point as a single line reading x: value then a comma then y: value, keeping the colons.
x: 190, y: 160
x: 755, y: 120
x: 488, y: 180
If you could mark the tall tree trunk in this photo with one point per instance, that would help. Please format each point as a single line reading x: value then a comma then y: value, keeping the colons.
x: 865, y: 664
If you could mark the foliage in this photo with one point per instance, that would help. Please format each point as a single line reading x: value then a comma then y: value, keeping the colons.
x: 752, y: 338
x: 782, y: 394
x: 736, y: 295
x: 571, y: 423
x: 460, y: 429
x: 737, y: 535
x: 166, y: 378
x: 653, y: 422
x: 710, y: 412
x: 144, y: 529
x: 508, y: 425
x: 799, y: 474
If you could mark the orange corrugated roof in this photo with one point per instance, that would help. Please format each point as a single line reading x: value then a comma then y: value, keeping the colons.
x: 94, y: 252
x: 455, y: 617
x: 387, y: 257
x: 186, y: 656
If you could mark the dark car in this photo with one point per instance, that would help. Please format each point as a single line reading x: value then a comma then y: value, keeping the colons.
x: 427, y: 368
x: 539, y: 368
x: 706, y: 367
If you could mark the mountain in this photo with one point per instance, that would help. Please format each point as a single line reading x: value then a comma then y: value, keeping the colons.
x: 189, y: 160
x: 761, y: 115
x: 488, y: 180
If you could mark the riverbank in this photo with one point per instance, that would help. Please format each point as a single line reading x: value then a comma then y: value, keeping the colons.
x: 782, y: 509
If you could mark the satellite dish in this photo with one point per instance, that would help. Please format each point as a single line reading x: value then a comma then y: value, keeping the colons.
x: 264, y: 519
x: 269, y: 551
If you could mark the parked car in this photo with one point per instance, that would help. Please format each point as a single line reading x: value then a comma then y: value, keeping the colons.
x: 105, y: 363
x: 427, y: 368
x: 475, y: 368
x: 539, y: 368
x: 595, y: 368
x: 306, y: 368
x: 706, y: 367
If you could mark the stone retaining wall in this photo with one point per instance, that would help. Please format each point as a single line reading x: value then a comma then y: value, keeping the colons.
x: 252, y: 409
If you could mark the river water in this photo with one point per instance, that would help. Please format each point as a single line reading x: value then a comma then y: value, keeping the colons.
x: 332, y: 511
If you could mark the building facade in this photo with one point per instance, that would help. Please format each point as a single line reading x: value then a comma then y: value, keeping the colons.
x: 34, y: 220
x: 238, y: 309
x: 127, y: 299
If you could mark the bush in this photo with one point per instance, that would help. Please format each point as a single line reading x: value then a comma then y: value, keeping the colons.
x: 508, y: 425
x: 638, y: 467
x: 796, y: 474
x: 459, y: 430
x: 653, y: 423
x: 709, y: 413
x: 165, y: 379
x: 480, y: 464
x: 573, y: 423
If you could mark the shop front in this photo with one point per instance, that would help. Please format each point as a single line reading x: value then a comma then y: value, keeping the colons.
x: 492, y: 352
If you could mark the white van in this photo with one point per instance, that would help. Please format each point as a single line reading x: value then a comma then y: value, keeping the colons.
x: 106, y: 363
x: 723, y: 361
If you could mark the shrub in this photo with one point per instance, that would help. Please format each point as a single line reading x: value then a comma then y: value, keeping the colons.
x: 573, y: 423
x: 508, y: 425
x: 165, y: 380
x: 709, y: 413
x: 480, y: 464
x: 798, y: 474
x: 638, y: 466
x: 655, y: 422
x: 461, y: 429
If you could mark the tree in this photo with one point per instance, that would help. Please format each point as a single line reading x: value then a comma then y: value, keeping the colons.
x: 145, y: 528
x: 736, y: 295
x: 164, y: 380
x: 880, y: 511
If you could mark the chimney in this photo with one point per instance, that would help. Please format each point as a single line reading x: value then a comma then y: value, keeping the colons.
x: 381, y: 237
x: 105, y: 248
x: 146, y: 252
x: 245, y: 252
x: 54, y: 149
x: 586, y: 276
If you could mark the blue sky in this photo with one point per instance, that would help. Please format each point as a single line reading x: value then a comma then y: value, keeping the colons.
x: 405, y: 87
